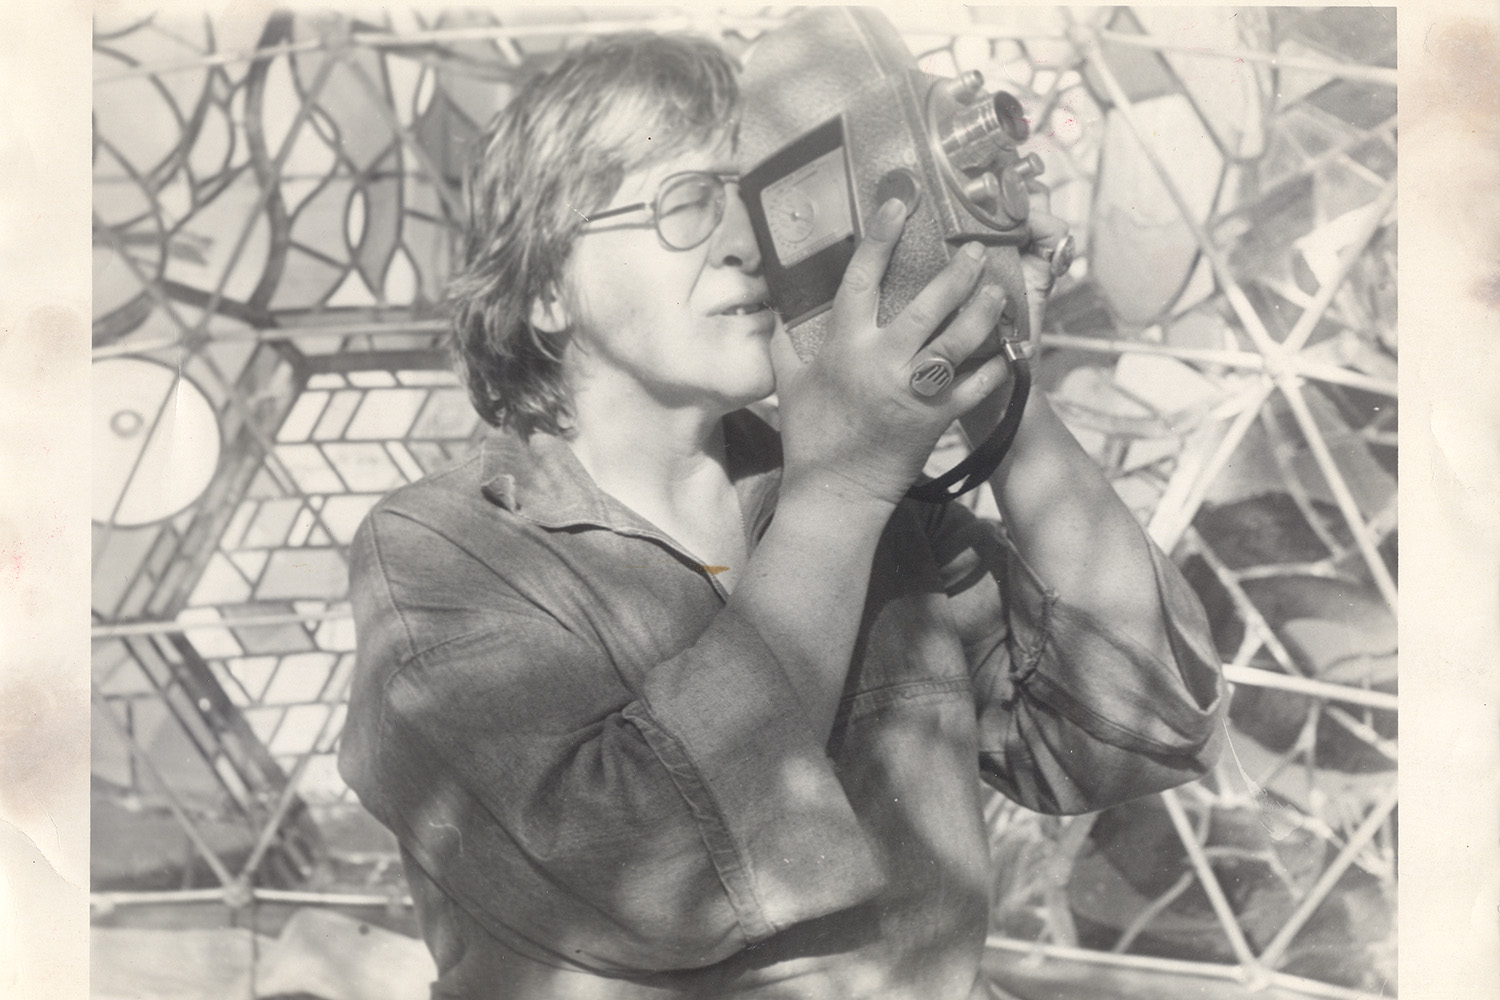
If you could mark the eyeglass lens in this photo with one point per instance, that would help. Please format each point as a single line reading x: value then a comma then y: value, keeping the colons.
x: 688, y: 209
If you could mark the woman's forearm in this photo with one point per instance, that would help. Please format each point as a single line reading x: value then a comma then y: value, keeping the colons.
x: 804, y: 588
x: 1073, y: 529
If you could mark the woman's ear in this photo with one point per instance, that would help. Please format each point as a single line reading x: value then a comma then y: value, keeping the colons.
x: 548, y: 313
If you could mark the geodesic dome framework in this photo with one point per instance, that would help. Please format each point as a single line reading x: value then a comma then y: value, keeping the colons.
x: 274, y: 205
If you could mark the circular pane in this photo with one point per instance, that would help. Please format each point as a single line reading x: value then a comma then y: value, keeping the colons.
x: 150, y: 420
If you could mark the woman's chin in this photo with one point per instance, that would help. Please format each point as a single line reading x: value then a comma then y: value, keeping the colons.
x: 754, y: 378
x: 750, y: 394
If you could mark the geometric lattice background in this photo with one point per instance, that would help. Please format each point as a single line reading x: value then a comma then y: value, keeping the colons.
x: 274, y: 202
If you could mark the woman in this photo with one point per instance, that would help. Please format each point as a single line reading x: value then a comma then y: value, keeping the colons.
x: 659, y: 704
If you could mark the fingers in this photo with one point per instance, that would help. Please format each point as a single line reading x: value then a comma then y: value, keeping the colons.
x: 968, y: 331
x: 1040, y: 194
x: 1045, y: 227
x: 858, y: 296
x: 970, y: 328
x: 1036, y: 272
x: 934, y: 303
x: 970, y: 390
x: 1050, y: 252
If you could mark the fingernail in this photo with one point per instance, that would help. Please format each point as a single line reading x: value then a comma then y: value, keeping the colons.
x: 974, y: 251
x: 893, y: 210
x: 993, y: 293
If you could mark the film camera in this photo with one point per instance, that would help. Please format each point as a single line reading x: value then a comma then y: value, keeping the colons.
x: 838, y: 119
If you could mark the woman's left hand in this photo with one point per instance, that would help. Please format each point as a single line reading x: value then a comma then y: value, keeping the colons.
x: 1039, y: 264
x: 1043, y: 260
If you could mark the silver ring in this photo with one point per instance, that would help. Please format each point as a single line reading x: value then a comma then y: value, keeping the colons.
x: 931, y: 376
x: 1060, y: 256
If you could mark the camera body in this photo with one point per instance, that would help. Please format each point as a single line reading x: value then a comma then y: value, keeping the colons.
x: 837, y: 118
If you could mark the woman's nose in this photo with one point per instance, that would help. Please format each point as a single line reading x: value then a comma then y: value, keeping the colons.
x: 734, y: 241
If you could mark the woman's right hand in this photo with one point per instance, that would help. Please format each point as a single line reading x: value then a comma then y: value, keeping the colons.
x: 850, y: 422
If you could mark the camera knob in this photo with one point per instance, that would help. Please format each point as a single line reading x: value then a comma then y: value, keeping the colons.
x: 902, y: 185
x: 966, y: 88
x: 983, y: 190
x: 1031, y: 165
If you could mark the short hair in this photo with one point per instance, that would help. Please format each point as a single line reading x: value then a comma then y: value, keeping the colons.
x: 556, y: 153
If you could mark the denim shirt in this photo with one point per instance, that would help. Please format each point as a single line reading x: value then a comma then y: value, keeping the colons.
x: 603, y: 785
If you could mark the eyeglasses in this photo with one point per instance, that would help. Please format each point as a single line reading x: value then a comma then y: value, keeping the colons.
x: 687, y: 209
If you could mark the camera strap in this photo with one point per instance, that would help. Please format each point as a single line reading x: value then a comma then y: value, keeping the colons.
x: 985, y: 459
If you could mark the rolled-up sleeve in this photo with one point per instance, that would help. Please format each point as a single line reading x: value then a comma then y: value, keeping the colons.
x: 662, y: 828
x: 1074, y: 715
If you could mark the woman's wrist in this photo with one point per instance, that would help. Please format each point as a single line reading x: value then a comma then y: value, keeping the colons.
x: 826, y: 495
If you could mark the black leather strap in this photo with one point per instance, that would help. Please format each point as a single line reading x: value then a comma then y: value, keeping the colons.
x: 985, y: 459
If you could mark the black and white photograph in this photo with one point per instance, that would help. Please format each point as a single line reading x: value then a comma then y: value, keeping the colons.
x: 832, y: 502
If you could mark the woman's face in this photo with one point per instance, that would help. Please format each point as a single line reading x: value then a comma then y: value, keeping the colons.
x: 688, y: 328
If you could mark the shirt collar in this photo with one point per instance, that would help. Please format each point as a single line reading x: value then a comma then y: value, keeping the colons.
x: 539, y: 478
